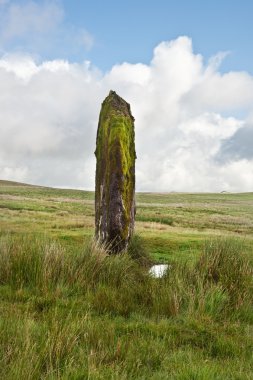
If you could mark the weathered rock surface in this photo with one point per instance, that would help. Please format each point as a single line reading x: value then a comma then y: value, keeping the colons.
x: 115, y: 174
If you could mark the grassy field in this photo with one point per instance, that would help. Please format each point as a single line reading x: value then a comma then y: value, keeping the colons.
x: 173, y: 226
x: 68, y: 311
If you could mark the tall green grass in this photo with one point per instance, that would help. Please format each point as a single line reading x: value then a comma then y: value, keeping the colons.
x: 90, y: 315
x: 219, y: 283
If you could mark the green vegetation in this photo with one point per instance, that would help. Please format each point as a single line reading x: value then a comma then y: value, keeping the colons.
x: 115, y: 173
x: 70, y: 311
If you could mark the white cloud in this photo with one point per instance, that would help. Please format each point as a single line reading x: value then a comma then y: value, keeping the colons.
x: 220, y: 93
x: 185, y: 115
x: 20, y: 65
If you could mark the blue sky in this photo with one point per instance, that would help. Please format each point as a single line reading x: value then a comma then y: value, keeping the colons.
x: 185, y: 67
x: 128, y: 31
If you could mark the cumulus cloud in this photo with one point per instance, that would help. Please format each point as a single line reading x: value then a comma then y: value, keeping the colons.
x: 188, y: 133
x: 47, y: 119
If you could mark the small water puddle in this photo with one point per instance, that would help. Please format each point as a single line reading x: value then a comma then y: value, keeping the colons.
x: 158, y: 270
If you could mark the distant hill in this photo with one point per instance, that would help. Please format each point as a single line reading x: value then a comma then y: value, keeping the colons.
x: 13, y: 183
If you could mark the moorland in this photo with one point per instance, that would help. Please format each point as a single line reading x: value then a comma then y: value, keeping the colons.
x: 68, y: 310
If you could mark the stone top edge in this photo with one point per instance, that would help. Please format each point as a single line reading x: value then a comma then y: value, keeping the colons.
x: 118, y: 103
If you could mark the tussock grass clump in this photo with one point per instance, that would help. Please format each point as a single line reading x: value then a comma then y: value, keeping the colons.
x: 30, y: 261
x: 223, y: 263
x: 92, y: 315
x: 37, y: 262
x: 138, y: 252
x: 219, y: 283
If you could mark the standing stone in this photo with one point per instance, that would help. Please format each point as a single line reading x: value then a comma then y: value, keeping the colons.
x: 115, y: 174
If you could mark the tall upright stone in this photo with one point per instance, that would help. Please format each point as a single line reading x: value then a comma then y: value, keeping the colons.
x: 115, y: 174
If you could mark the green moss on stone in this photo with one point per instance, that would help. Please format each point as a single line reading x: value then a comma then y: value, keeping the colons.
x: 115, y: 173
